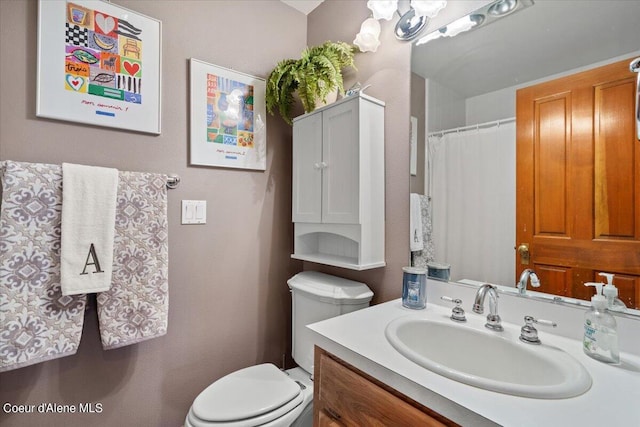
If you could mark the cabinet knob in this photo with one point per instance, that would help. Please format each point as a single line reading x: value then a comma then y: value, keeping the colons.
x: 319, y: 165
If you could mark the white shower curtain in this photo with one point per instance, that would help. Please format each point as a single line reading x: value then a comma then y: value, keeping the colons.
x: 472, y: 185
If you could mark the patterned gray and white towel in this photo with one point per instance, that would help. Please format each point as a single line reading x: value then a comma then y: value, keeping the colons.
x: 37, y: 322
x: 136, y: 307
x: 421, y: 258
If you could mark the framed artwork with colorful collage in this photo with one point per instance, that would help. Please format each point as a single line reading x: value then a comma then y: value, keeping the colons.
x: 228, y: 121
x: 99, y: 64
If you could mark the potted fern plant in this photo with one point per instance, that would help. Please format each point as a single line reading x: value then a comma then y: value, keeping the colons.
x: 315, y: 75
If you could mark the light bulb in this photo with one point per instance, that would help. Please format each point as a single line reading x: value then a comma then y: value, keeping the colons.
x: 428, y: 8
x: 383, y: 9
x: 367, y: 39
x: 459, y: 26
x: 235, y: 96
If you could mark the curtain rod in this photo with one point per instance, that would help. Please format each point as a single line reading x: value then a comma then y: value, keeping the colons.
x: 471, y: 127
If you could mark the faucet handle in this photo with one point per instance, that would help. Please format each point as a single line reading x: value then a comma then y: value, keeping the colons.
x: 535, y: 282
x: 529, y: 334
x: 457, y: 312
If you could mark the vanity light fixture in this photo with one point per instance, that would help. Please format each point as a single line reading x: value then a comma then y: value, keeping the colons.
x: 481, y: 17
x: 458, y: 26
x: 383, y: 9
x: 428, y: 8
x: 408, y: 27
x: 368, y: 39
x: 502, y: 7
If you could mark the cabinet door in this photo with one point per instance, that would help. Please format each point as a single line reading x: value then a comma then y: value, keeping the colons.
x: 325, y: 420
x: 340, y: 156
x: 343, y: 396
x: 307, y: 169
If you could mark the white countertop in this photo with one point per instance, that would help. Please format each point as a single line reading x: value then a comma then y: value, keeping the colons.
x: 358, y: 338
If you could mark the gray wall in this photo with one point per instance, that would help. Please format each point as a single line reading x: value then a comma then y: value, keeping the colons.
x: 388, y: 73
x: 445, y: 107
x: 229, y: 303
x: 418, y: 109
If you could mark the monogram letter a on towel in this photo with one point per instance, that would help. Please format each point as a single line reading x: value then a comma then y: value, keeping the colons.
x: 88, y: 228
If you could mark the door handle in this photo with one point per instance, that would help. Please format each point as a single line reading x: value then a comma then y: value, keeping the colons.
x: 525, y: 256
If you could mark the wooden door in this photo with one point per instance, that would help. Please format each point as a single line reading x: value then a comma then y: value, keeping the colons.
x: 578, y: 182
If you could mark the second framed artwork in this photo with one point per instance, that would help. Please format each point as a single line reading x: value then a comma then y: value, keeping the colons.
x: 228, y: 118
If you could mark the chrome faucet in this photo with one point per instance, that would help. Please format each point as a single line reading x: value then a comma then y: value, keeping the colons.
x: 524, y: 278
x: 493, y: 319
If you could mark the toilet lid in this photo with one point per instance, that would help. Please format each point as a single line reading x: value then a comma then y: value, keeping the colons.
x: 247, y: 393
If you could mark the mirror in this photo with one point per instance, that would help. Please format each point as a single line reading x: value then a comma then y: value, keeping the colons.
x: 467, y: 83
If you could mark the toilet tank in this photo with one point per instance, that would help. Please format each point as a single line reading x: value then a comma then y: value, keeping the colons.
x: 317, y: 296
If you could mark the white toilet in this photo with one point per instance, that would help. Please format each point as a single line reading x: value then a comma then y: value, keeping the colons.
x: 263, y: 395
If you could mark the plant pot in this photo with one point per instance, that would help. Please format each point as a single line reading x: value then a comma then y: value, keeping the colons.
x: 330, y: 99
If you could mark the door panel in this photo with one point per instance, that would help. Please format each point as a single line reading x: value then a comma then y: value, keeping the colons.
x: 553, y: 133
x: 553, y: 279
x: 615, y: 160
x: 578, y: 181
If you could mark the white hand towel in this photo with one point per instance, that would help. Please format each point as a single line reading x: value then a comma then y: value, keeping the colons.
x: 88, y: 228
x: 416, y: 242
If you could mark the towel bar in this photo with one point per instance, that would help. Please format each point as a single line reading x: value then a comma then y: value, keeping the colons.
x: 173, y: 181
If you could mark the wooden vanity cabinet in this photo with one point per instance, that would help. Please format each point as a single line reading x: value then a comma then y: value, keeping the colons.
x: 345, y: 396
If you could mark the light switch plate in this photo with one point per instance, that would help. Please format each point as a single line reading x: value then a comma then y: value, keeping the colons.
x: 194, y: 211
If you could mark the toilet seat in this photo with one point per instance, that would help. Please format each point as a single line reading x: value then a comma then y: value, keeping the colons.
x: 251, y: 396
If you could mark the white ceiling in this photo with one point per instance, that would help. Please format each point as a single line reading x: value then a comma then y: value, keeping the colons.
x: 304, y: 6
x: 547, y: 38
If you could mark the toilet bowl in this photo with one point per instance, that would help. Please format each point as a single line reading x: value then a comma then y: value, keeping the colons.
x: 263, y: 395
x: 260, y: 395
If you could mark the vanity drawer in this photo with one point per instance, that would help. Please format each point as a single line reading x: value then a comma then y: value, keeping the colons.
x: 345, y: 396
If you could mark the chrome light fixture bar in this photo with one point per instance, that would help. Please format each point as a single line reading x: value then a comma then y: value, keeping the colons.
x: 479, y: 18
x: 412, y: 22
x: 408, y: 27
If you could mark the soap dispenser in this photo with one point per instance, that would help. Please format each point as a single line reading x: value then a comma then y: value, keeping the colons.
x: 600, y: 330
x: 610, y: 292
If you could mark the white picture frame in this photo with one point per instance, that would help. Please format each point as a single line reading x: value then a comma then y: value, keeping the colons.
x: 228, y: 118
x: 413, y: 141
x: 99, y: 64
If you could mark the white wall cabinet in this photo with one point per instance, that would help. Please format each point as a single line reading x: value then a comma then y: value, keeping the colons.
x: 338, y: 184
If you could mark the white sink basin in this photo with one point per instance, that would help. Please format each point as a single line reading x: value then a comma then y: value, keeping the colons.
x: 487, y: 360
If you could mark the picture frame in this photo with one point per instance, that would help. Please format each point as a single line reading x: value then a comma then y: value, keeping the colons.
x: 99, y: 64
x: 413, y: 141
x: 227, y: 118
